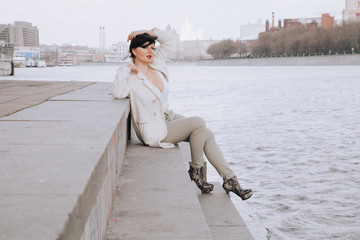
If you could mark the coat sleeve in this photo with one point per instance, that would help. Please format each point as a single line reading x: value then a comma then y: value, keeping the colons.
x: 120, y: 87
x: 165, y: 39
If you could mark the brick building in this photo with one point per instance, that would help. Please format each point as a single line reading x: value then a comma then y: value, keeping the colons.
x: 327, y: 21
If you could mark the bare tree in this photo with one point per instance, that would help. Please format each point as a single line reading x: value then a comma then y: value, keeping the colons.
x: 223, y: 49
x: 308, y: 40
x: 242, y: 48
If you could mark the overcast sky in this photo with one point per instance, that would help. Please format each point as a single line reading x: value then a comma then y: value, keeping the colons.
x: 78, y: 21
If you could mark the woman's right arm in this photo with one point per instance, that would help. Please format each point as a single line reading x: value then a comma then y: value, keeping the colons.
x: 163, y: 37
x: 165, y: 40
x: 120, y: 88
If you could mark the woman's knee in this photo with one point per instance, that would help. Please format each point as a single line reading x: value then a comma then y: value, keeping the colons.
x: 199, y: 122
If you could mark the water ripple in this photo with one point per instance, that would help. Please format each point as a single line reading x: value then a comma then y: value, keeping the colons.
x: 292, y: 137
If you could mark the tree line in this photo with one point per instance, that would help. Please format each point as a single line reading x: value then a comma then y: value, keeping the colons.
x: 294, y: 41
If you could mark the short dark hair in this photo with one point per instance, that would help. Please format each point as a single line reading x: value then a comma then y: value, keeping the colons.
x: 142, y: 40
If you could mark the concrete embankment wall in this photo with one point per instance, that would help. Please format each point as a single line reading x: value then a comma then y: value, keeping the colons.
x: 59, y: 164
x: 287, y: 61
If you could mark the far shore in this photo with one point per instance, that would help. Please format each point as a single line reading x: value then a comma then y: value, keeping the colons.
x: 319, y: 60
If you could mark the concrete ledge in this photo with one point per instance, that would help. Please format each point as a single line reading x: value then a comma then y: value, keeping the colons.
x: 156, y: 199
x: 222, y: 217
x: 59, y: 162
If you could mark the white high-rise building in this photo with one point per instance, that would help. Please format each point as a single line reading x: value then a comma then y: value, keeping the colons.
x: 188, y: 32
x: 251, y: 31
x: 351, y: 12
x: 121, y: 49
x: 21, y: 34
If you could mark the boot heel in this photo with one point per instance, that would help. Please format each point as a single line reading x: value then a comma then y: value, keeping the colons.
x: 233, y: 185
x: 227, y: 190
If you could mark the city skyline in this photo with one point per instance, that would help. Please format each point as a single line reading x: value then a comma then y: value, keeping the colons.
x: 78, y: 22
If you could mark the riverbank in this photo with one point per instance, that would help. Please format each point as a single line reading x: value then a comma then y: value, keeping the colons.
x: 321, y: 60
x: 67, y: 171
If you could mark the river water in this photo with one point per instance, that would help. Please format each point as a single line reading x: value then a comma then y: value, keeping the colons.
x: 292, y: 134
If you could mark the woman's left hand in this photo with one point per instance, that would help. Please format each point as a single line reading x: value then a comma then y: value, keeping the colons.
x: 133, y: 68
x: 133, y: 34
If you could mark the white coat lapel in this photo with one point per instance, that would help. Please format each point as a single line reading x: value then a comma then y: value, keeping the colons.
x: 161, y: 69
x: 149, y: 85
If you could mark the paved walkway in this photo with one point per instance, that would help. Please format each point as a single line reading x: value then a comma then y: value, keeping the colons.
x: 18, y: 95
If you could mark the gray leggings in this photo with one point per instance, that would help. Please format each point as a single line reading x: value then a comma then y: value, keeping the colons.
x: 201, y: 139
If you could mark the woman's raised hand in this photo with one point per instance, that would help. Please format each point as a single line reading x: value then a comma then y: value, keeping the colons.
x: 133, y: 34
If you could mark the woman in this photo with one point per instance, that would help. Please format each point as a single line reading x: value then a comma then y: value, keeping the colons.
x: 145, y: 82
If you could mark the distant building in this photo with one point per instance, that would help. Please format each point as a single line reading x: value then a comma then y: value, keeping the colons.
x: 27, y: 52
x: 49, y: 54
x: 327, y: 21
x: 6, y: 50
x: 188, y: 32
x: 120, y: 49
x: 291, y: 22
x: 302, y: 21
x: 21, y: 34
x: 75, y: 54
x: 196, y: 49
x: 351, y: 12
x: 250, y: 32
x: 176, y: 51
x: 4, y: 33
x: 189, y: 50
x: 274, y: 28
